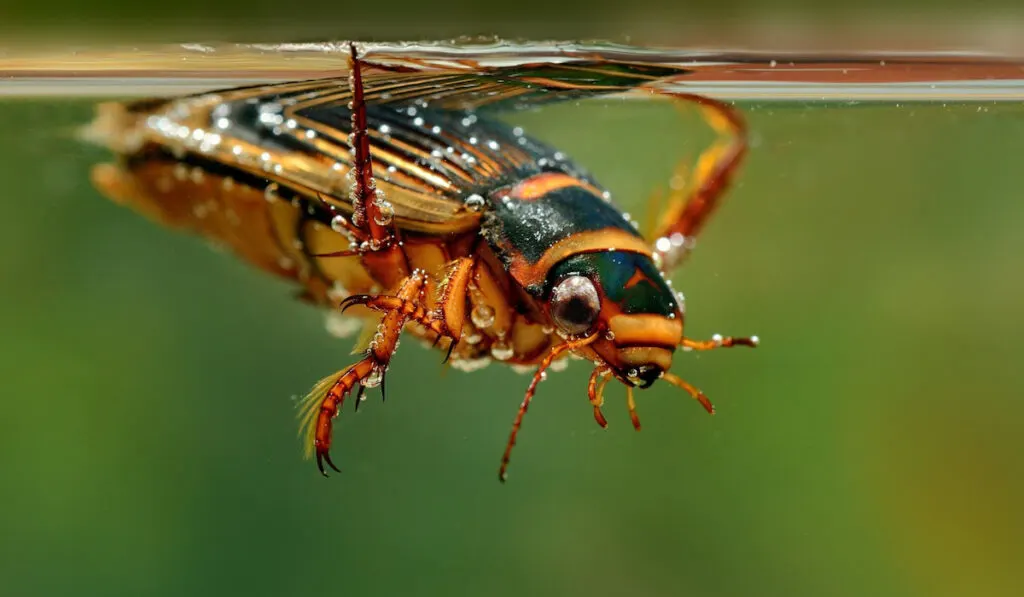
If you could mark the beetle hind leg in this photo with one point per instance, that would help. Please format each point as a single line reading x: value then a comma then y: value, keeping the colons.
x: 691, y: 203
x: 372, y: 212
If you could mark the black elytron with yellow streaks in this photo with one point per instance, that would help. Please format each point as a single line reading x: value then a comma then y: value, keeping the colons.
x: 398, y: 198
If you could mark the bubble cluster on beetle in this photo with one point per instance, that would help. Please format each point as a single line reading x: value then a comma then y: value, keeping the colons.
x: 453, y: 136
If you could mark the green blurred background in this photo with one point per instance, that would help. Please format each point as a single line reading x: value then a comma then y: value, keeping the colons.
x: 779, y: 23
x: 872, y: 445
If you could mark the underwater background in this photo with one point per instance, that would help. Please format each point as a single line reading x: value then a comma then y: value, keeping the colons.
x: 871, y: 446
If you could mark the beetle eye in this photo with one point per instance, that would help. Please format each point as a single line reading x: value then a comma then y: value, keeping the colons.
x: 575, y: 305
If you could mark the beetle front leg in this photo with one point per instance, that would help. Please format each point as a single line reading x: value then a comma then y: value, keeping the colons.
x: 720, y: 341
x: 538, y: 376
x: 595, y: 392
x: 689, y: 207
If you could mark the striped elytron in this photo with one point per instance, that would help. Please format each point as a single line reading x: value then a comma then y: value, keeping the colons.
x: 398, y: 196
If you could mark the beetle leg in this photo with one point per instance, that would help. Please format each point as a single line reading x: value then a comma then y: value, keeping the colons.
x: 692, y: 391
x: 595, y: 391
x: 446, y: 320
x: 719, y: 341
x: 381, y: 250
x: 369, y: 371
x: 406, y: 305
x: 537, y: 377
x: 371, y: 213
x: 689, y: 207
x: 631, y: 405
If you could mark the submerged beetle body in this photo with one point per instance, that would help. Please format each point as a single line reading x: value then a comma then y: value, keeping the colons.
x: 407, y: 204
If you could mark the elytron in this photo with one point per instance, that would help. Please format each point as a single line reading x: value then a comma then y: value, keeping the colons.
x: 399, y: 198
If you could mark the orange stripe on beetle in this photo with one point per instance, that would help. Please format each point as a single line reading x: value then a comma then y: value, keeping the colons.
x: 538, y: 186
x: 609, y: 239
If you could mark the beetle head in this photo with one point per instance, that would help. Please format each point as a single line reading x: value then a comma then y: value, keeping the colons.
x: 623, y: 298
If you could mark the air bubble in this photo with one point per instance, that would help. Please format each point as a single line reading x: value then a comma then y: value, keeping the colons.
x: 374, y: 379
x: 469, y: 365
x: 270, y: 192
x: 341, y: 326
x: 475, y: 202
x: 339, y: 224
x: 385, y: 212
x: 502, y: 351
x: 482, y: 316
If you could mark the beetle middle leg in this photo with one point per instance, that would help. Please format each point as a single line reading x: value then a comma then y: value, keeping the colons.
x: 689, y: 207
x: 407, y: 305
x: 369, y: 371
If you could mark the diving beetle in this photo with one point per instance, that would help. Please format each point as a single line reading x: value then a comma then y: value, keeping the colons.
x: 398, y: 197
